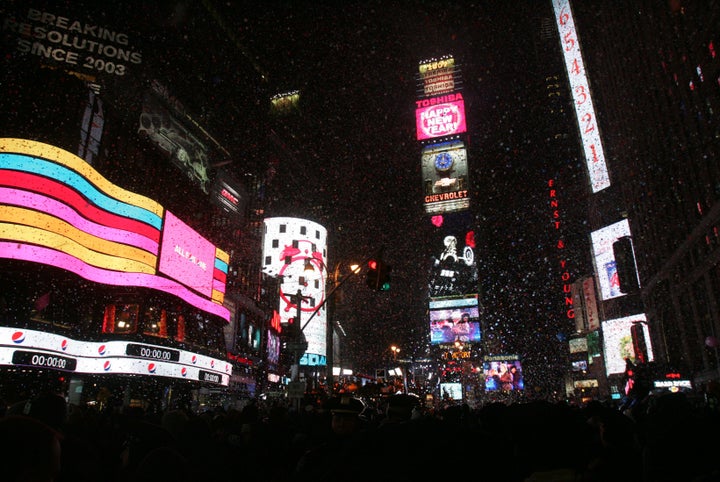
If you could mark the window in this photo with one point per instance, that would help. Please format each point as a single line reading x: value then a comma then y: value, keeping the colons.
x: 121, y: 318
x: 155, y: 322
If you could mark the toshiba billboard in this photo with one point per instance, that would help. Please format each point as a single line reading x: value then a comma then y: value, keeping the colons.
x: 440, y: 116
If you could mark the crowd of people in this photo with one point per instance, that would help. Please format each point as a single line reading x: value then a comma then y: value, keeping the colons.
x: 661, y: 438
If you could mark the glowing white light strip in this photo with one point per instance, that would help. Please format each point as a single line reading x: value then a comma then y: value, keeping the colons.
x: 584, y: 110
x: 111, y: 357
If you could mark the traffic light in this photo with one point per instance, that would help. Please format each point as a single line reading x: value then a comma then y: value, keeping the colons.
x: 371, y: 277
x: 378, y: 275
x: 384, y: 277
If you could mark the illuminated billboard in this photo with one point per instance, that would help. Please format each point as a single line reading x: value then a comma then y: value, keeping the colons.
x: 33, y: 348
x: 618, y: 342
x: 285, y: 102
x: 56, y: 209
x: 186, y: 256
x: 229, y: 194
x: 162, y: 122
x: 454, y: 319
x: 451, y: 391
x: 437, y: 76
x: 605, y: 264
x: 294, y: 250
x: 440, y: 116
x: 503, y: 373
x: 74, y: 43
x: 454, y: 268
x: 578, y: 345
x: 445, y: 177
x: 580, y: 88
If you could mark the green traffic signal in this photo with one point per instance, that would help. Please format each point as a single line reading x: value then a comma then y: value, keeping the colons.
x: 378, y: 275
x: 384, y: 277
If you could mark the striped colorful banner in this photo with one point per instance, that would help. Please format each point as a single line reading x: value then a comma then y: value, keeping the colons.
x: 56, y: 209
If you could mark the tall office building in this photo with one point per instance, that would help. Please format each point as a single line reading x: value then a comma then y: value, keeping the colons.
x: 653, y: 68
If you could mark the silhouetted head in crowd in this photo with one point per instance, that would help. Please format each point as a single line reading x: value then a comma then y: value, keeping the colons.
x: 345, y: 413
x: 30, y: 450
x: 400, y: 407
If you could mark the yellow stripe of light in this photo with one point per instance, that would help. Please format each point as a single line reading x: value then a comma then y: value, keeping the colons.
x: 222, y: 255
x: 60, y: 156
x: 218, y: 296
x: 48, y: 222
x: 33, y: 235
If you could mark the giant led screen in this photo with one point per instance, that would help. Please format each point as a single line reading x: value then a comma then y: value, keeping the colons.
x: 56, y: 209
x: 580, y: 89
x: 294, y: 250
x: 503, y: 373
x: 453, y: 270
x: 441, y: 116
x: 34, y: 348
x: 605, y: 264
x: 618, y: 342
x: 445, y: 177
x: 454, y: 319
x: 186, y: 256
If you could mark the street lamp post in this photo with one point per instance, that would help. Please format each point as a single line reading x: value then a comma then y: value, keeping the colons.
x: 396, y: 350
x: 329, y: 322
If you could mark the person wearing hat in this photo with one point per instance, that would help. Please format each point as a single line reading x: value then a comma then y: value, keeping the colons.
x: 345, y: 414
x: 400, y: 408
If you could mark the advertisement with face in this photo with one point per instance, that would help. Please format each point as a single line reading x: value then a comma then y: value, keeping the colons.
x: 294, y: 250
x: 454, y: 319
x: 503, y: 375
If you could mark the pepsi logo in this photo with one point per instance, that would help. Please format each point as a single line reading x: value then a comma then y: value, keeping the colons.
x: 151, y: 368
x: 63, y: 345
x: 106, y: 365
x: 18, y: 337
x: 183, y: 372
x: 194, y: 359
x: 212, y: 363
x: 101, y: 349
x: 227, y: 368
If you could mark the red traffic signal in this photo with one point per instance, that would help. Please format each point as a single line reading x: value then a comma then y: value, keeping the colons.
x: 378, y: 275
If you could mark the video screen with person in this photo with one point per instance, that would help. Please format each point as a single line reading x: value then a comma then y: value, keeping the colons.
x: 455, y: 319
x: 503, y: 375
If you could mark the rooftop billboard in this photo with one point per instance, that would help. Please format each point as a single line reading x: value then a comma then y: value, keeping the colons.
x: 437, y: 76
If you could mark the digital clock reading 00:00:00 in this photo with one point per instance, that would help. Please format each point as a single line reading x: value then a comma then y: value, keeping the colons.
x: 36, y: 359
x: 152, y: 352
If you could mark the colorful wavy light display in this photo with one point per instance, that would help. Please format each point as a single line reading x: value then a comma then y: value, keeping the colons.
x: 56, y: 209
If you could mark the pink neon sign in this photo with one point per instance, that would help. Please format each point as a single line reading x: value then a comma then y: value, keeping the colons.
x: 186, y: 256
x: 51, y: 257
x: 441, y: 119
